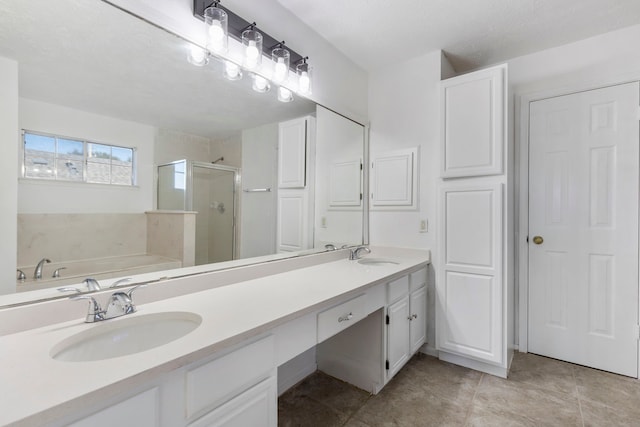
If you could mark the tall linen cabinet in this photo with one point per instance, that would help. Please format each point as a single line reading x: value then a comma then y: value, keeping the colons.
x: 475, y: 289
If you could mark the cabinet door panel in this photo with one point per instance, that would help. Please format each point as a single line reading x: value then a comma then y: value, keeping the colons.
x: 418, y: 325
x: 292, y: 154
x: 398, y: 335
x: 470, y: 289
x: 472, y: 307
x: 257, y: 407
x: 140, y: 410
x: 473, y: 113
x: 292, y: 232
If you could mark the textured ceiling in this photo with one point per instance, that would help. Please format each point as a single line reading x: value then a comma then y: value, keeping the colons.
x: 88, y: 55
x: 473, y: 33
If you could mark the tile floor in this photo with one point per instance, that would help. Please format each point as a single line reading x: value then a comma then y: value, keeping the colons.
x: 428, y: 392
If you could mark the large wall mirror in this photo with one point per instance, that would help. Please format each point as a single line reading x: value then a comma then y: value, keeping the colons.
x: 221, y: 174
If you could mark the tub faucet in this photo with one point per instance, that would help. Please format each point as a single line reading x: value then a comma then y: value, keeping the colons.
x: 355, y: 253
x: 38, y: 273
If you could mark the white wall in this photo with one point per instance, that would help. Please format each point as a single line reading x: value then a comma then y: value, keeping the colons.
x: 404, y: 113
x: 36, y: 196
x: 9, y: 139
x: 338, y: 83
x: 259, y: 170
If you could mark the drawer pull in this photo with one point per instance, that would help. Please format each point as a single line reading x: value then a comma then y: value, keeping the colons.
x: 345, y: 318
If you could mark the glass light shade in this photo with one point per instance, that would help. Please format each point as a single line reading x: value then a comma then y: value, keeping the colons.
x: 284, y: 94
x: 217, y: 24
x: 232, y: 71
x: 252, y: 45
x: 260, y: 84
x: 280, y: 57
x: 304, y: 72
x: 197, y: 56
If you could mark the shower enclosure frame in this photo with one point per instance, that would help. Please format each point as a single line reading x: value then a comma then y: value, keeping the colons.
x: 188, y: 196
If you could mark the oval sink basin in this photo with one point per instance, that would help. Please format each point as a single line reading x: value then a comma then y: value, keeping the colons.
x: 376, y: 261
x: 121, y: 337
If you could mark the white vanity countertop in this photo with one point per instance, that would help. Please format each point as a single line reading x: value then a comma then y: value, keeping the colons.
x: 36, y: 389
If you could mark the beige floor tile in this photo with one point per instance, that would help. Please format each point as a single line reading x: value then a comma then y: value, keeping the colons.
x: 482, y: 416
x: 332, y: 392
x: 599, y: 415
x: 411, y: 408
x: 616, y: 391
x: 438, y: 378
x: 543, y: 372
x: 302, y: 411
x: 541, y: 407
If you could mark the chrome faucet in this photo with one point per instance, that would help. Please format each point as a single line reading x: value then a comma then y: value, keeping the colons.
x: 38, y: 273
x: 21, y: 276
x: 120, y: 303
x: 355, y: 253
x: 92, y: 284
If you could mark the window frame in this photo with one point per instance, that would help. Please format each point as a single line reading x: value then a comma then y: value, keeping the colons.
x: 85, y: 160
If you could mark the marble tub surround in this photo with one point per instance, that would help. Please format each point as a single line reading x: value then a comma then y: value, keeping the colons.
x: 55, y: 389
x: 429, y: 392
x: 74, y: 237
x: 172, y: 234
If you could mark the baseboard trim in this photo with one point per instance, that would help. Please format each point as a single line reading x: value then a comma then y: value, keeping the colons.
x: 477, y: 365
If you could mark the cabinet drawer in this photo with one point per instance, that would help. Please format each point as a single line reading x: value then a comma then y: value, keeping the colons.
x: 256, y: 407
x: 140, y: 410
x: 340, y: 317
x: 418, y: 279
x: 397, y: 289
x: 215, y: 382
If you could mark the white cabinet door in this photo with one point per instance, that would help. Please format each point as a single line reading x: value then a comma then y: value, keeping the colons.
x: 292, y: 153
x: 293, y: 232
x: 256, y: 407
x: 469, y: 290
x: 473, y: 110
x: 418, y: 325
x: 397, y: 336
x: 140, y: 410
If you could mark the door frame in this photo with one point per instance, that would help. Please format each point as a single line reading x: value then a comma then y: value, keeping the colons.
x: 522, y: 104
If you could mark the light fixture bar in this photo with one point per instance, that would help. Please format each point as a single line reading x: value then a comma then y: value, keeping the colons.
x: 236, y: 25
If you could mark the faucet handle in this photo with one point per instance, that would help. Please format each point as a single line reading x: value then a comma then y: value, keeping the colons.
x: 130, y: 293
x: 56, y: 273
x: 95, y: 312
x: 330, y: 247
x: 92, y: 284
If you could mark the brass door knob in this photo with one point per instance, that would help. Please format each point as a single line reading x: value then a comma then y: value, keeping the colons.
x: 538, y: 240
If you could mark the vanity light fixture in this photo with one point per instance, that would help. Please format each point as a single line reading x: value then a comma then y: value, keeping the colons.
x: 280, y: 57
x: 197, y: 56
x: 284, y: 94
x: 304, y: 77
x: 252, y: 45
x: 217, y: 23
x: 246, y: 49
x: 232, y: 71
x: 260, y: 84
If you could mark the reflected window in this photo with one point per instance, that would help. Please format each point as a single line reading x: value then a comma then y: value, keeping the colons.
x: 53, y: 157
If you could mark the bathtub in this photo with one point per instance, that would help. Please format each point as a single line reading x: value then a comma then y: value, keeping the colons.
x: 98, y: 268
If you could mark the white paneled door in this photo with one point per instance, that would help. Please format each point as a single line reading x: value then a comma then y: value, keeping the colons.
x: 583, y: 228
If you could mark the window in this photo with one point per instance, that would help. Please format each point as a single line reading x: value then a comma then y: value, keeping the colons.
x: 60, y: 158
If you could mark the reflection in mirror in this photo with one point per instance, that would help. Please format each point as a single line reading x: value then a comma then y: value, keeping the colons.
x: 109, y: 91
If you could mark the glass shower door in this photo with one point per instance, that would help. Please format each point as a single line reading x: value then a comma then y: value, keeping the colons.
x: 213, y: 197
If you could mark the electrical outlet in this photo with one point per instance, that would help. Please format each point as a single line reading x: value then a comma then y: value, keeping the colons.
x: 323, y: 222
x: 424, y: 226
